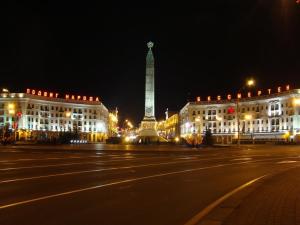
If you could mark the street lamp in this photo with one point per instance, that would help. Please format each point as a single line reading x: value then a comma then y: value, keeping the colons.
x: 296, y: 102
x: 249, y: 83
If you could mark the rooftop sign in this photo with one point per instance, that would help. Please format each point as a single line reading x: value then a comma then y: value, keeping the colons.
x: 56, y: 95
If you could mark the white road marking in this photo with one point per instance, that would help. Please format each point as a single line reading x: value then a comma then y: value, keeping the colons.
x: 198, y: 217
x: 286, y: 162
x: 214, y: 204
x: 241, y: 159
x: 102, y: 186
x: 69, y: 164
x: 89, y: 171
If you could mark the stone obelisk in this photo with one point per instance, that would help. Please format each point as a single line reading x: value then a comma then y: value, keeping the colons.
x: 148, y: 125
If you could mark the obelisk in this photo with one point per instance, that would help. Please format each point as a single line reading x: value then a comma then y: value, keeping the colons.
x: 148, y: 125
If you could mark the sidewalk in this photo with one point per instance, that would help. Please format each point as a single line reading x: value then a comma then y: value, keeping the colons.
x: 273, y: 201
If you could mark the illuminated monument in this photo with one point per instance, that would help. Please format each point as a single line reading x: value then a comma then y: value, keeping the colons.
x: 148, y: 126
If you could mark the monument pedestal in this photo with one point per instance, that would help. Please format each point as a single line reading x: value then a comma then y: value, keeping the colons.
x: 148, y: 128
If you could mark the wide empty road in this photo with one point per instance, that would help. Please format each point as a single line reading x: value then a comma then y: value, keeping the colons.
x: 142, y: 185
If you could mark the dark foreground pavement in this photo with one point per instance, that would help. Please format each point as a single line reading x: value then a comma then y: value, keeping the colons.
x: 64, y: 185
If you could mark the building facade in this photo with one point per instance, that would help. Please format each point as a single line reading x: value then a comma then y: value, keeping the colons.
x: 260, y: 118
x: 37, y: 115
x: 169, y: 128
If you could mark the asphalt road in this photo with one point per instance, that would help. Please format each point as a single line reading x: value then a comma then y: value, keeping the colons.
x: 116, y: 185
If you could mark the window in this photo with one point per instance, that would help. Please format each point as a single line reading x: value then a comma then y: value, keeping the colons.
x: 203, y: 111
x: 219, y: 110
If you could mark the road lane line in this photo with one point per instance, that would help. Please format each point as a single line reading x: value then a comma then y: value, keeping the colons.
x: 121, y: 182
x: 96, y: 162
x: 70, y: 164
x: 91, y: 171
x: 198, y: 217
x: 103, y: 185
x: 287, y: 161
x: 241, y: 159
x: 98, y: 170
x: 129, y: 160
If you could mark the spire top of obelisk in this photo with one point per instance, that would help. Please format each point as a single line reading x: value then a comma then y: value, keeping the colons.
x: 150, y: 44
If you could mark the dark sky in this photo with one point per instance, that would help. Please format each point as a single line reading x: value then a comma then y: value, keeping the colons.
x: 94, y: 49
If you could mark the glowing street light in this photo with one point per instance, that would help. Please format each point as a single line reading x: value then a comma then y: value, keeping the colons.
x: 68, y: 114
x: 250, y: 83
x: 11, y: 109
x: 248, y: 117
x: 296, y: 102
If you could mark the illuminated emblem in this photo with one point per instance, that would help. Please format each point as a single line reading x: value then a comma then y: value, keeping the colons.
x: 230, y: 110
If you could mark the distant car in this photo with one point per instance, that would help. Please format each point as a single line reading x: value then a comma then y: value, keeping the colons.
x: 114, y: 140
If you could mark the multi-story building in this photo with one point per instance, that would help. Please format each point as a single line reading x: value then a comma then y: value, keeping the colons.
x: 172, y: 125
x: 260, y: 118
x: 169, y: 128
x: 36, y: 114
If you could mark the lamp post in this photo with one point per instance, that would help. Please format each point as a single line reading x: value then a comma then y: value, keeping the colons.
x: 249, y: 83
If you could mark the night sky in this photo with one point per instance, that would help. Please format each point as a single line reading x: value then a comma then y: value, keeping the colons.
x: 94, y: 49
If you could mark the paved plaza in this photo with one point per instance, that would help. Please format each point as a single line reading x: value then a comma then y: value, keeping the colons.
x: 126, y: 184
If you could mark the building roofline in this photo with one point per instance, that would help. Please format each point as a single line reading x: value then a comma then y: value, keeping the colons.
x: 247, y: 99
x: 26, y: 96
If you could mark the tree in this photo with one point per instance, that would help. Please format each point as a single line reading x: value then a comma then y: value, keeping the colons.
x: 208, y: 139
